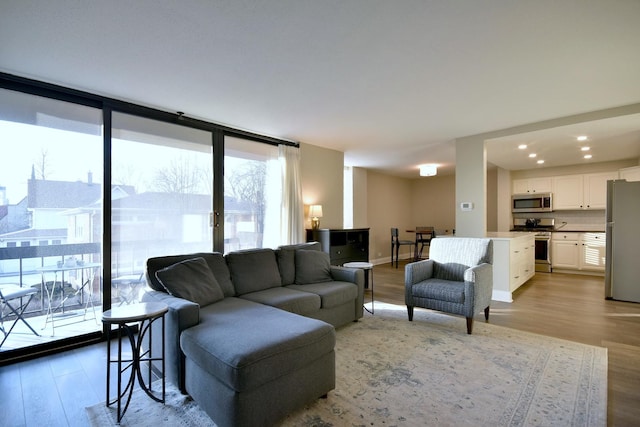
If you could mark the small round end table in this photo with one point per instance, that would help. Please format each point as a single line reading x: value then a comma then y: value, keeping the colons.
x: 146, y: 314
x: 368, y: 268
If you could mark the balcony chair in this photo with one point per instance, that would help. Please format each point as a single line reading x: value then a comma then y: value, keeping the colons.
x: 8, y: 295
x: 396, y: 243
x: 423, y: 238
x: 457, y: 278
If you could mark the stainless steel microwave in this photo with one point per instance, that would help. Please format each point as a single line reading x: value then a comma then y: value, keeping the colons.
x: 532, y: 202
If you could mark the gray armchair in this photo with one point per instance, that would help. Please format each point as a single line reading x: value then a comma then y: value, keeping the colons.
x: 457, y: 278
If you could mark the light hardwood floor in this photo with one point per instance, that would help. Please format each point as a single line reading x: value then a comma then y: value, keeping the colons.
x: 55, y: 390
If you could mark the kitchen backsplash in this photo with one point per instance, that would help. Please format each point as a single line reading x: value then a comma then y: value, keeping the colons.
x: 575, y: 220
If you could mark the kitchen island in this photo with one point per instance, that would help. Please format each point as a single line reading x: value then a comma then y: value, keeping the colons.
x: 513, y: 262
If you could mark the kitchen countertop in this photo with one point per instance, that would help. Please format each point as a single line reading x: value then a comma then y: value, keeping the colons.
x: 499, y: 235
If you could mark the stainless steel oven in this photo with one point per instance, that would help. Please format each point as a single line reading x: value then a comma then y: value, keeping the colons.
x: 543, y: 251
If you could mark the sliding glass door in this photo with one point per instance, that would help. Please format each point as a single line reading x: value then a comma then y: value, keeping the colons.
x: 161, y: 197
x: 71, y: 246
x: 50, y: 220
x: 252, y: 195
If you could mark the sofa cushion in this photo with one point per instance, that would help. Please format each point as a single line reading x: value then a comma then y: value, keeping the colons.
x: 286, y: 256
x: 312, y: 267
x: 254, y: 357
x: 291, y: 300
x: 253, y: 270
x: 215, y: 261
x: 332, y: 294
x: 192, y: 280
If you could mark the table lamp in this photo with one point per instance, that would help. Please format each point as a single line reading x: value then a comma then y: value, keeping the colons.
x: 315, y: 212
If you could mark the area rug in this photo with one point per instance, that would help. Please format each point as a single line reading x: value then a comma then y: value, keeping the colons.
x: 392, y: 372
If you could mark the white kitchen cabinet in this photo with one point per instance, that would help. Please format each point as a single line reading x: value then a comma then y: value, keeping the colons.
x: 578, y: 251
x: 595, y: 189
x: 576, y: 192
x: 522, y: 260
x: 630, y: 174
x: 531, y: 185
x: 567, y: 192
x: 592, y: 251
x: 565, y: 252
x: 513, y: 264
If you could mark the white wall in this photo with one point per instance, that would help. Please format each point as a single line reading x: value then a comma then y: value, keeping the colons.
x: 322, y: 175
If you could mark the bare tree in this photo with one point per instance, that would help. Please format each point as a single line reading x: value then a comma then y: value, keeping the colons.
x: 182, y: 176
x: 42, y: 164
x: 247, y: 184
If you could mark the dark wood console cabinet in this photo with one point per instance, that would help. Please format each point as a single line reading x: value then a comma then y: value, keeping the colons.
x: 345, y: 245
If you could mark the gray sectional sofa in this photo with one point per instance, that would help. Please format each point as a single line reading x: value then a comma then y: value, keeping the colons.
x: 250, y: 336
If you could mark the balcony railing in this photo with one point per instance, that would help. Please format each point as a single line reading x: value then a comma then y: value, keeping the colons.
x: 21, y: 266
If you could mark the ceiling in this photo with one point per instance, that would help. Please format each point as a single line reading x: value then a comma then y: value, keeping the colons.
x: 391, y: 84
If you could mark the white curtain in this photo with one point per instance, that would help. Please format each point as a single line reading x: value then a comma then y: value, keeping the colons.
x: 292, y: 218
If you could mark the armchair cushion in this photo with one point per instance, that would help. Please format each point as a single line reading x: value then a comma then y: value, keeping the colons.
x: 192, y: 280
x: 445, y: 290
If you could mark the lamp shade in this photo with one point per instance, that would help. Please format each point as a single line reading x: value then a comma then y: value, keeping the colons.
x: 315, y: 211
x: 428, y: 170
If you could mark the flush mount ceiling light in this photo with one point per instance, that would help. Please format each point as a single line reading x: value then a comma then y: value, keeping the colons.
x: 588, y: 156
x: 428, y: 170
x: 540, y: 161
x: 585, y: 148
x: 533, y: 155
x: 582, y: 138
x: 522, y: 146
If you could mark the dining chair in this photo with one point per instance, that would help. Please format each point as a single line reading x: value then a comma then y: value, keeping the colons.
x: 423, y: 239
x: 396, y: 243
x: 9, y: 293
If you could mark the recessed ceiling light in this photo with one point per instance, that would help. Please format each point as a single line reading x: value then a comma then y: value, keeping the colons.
x: 540, y: 161
x: 585, y: 148
x: 522, y: 146
x: 588, y: 156
x: 532, y: 155
x: 582, y: 138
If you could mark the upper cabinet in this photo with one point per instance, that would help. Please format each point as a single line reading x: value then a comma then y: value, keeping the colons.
x: 532, y: 185
x: 595, y: 189
x: 630, y: 174
x: 588, y: 191
x: 567, y: 192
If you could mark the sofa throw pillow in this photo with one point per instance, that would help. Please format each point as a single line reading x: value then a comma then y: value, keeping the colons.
x: 312, y: 267
x: 192, y: 280
x: 286, y: 255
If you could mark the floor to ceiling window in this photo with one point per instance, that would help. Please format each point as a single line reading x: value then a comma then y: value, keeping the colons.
x: 50, y: 219
x: 161, y: 196
x: 71, y: 247
x: 252, y: 195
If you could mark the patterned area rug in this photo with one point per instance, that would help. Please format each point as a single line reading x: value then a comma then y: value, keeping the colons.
x: 393, y: 372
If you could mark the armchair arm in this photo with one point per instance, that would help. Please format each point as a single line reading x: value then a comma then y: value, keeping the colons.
x: 416, y: 272
x: 479, y: 283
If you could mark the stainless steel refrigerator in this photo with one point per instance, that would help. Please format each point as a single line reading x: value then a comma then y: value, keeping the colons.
x: 622, y: 263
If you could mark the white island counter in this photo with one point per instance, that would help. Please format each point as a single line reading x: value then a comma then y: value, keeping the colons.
x: 513, y: 262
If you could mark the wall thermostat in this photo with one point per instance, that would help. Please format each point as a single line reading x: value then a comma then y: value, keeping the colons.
x: 466, y: 206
